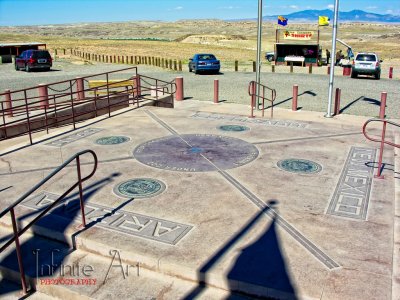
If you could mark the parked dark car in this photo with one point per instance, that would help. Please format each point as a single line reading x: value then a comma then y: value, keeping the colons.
x: 204, y: 62
x: 33, y: 59
x: 270, y: 56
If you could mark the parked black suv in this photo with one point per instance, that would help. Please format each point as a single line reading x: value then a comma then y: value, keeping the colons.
x: 33, y: 59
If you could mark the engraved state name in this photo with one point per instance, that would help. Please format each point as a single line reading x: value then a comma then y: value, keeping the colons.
x: 129, y: 223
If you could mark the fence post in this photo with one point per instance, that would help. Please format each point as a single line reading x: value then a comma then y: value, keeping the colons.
x: 291, y: 67
x: 337, y: 101
x: 390, y: 72
x: 80, y: 88
x: 254, y: 66
x: 8, y: 103
x: 43, y: 96
x: 179, y: 88
x: 295, y: 95
x: 383, y: 105
x: 236, y: 66
x: 216, y: 90
x: 273, y: 68
x: 180, y: 65
x: 310, y: 69
x: 175, y: 66
x: 170, y: 64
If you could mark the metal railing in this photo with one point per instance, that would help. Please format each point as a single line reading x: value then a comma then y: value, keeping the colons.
x: 380, y: 140
x: 62, y: 101
x: 17, y: 232
x: 260, y: 91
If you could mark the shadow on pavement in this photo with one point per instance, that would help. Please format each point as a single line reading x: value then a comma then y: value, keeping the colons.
x: 259, y: 264
x: 42, y: 257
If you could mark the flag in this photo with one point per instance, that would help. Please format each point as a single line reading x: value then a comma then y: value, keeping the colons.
x: 323, y: 21
x: 282, y: 21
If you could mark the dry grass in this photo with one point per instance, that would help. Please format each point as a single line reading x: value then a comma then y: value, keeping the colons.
x: 227, y: 40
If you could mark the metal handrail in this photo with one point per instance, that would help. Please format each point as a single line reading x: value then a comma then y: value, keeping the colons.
x: 253, y: 90
x: 11, y: 209
x: 66, y: 100
x: 381, y: 140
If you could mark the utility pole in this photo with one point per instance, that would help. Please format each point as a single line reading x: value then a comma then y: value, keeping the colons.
x: 333, y: 60
x: 259, y: 32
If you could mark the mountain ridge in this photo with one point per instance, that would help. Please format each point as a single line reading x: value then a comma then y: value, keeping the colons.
x: 311, y: 15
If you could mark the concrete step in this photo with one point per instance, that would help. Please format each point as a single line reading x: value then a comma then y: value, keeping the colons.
x: 58, y: 272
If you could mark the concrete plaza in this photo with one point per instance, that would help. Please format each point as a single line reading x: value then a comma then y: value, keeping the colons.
x: 284, y: 208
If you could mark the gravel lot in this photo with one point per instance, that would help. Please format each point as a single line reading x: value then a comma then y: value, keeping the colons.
x: 359, y: 96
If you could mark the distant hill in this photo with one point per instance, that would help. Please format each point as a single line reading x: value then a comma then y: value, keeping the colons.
x: 349, y: 16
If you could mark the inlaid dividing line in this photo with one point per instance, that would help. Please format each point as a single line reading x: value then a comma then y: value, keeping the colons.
x: 312, y: 248
x: 69, y: 166
x: 309, y: 138
x: 161, y: 122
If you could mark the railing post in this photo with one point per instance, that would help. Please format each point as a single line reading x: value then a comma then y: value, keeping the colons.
x: 253, y: 98
x: 179, y: 88
x: 383, y: 105
x: 43, y: 95
x: 379, y: 175
x: 180, y: 65
x: 27, y: 116
x: 78, y: 168
x: 8, y: 103
x: 80, y: 90
x: 216, y: 90
x: 337, y: 101
x: 295, y: 95
x: 137, y: 84
x: 18, y: 250
x: 390, y: 72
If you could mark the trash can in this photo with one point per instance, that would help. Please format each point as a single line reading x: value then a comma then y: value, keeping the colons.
x: 346, y: 70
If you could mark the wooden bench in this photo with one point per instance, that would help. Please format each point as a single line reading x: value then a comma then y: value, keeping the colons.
x: 114, y: 86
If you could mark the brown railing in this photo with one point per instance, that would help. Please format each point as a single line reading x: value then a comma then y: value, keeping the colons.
x: 65, y: 102
x: 380, y: 140
x: 17, y: 232
x: 265, y: 93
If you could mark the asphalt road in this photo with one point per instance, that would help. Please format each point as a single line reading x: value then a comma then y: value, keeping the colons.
x: 359, y: 96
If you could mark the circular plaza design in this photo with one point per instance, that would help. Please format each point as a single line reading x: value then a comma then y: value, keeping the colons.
x: 112, y: 140
x: 196, y: 153
x: 302, y: 166
x: 234, y: 128
x: 139, y: 188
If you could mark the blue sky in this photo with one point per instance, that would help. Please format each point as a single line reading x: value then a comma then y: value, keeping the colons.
x: 38, y: 12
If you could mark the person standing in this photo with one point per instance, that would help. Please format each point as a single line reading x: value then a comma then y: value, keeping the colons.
x: 338, y: 57
x: 328, y: 56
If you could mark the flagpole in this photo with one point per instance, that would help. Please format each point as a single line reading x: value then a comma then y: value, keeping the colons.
x: 258, y: 70
x: 333, y: 60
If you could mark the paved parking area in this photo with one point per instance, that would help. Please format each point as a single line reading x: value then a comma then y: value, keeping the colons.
x: 359, y: 96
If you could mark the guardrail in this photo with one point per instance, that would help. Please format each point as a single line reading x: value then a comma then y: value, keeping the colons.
x: 11, y: 209
x: 254, y: 92
x: 382, y: 141
x: 71, y: 101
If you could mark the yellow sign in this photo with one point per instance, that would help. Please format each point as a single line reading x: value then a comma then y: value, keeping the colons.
x: 298, y: 35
